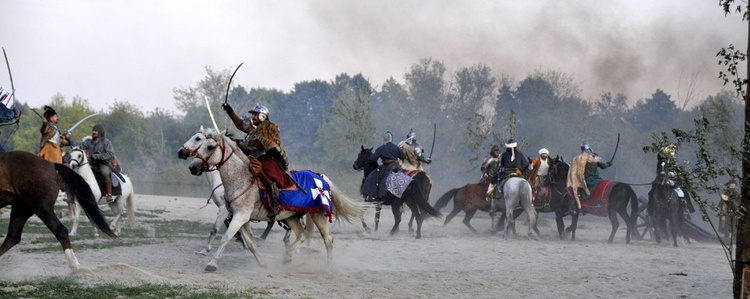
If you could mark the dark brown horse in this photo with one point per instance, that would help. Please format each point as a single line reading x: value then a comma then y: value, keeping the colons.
x: 416, y: 196
x: 471, y: 198
x: 30, y: 186
x: 617, y: 203
x: 665, y: 206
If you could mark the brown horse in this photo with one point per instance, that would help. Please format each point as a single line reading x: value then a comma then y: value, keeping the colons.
x: 30, y: 185
x: 471, y: 198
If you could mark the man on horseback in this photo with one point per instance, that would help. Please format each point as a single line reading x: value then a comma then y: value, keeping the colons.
x: 101, y: 155
x: 262, y: 144
x: 414, y: 153
x: 512, y: 163
x: 490, y: 164
x: 50, y: 147
x: 538, y: 175
x: 389, y: 154
x: 663, y: 159
x: 584, y: 173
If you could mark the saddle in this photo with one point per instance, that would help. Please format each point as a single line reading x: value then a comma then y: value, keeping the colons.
x: 116, y: 185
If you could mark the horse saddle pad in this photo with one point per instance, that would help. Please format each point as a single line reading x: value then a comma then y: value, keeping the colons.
x: 116, y: 185
x: 312, y: 194
x: 597, y: 202
x: 396, y: 183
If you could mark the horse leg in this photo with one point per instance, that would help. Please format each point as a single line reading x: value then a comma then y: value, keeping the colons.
x: 560, y: 224
x: 221, y: 215
x: 322, y: 225
x: 528, y: 206
x: 378, y: 207
x: 628, y: 223
x: 396, y: 208
x: 467, y: 217
x: 246, y: 233
x: 18, y: 217
x: 615, y: 224
x: 415, y: 213
x: 452, y: 214
x: 74, y: 214
x: 364, y: 224
x: 47, y: 215
x: 509, y: 220
x: 238, y: 220
x: 296, y: 226
x: 411, y: 221
x: 116, y: 208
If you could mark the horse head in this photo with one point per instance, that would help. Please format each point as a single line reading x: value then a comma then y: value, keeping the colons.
x: 361, y: 162
x: 190, y: 146
x: 78, y: 158
x: 213, y: 149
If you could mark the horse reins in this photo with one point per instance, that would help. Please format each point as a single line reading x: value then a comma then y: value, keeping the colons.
x: 221, y: 160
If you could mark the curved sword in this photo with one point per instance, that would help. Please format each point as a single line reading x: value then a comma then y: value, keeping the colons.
x: 616, y: 146
x: 12, y: 87
x: 80, y: 121
x: 226, y: 95
x: 434, y: 131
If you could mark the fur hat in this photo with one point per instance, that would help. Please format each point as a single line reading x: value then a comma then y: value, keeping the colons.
x: 49, y: 112
x: 511, y: 143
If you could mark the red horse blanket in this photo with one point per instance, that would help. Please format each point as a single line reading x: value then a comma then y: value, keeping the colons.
x: 597, y: 202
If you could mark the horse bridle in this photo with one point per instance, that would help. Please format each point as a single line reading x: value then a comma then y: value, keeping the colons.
x: 194, y: 152
x: 221, y: 144
x: 79, y: 163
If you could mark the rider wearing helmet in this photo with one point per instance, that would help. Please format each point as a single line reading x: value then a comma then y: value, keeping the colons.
x: 414, y: 153
x: 50, y: 147
x: 584, y: 173
x: 264, y: 144
x: 490, y: 164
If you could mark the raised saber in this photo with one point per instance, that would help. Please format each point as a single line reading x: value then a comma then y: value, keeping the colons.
x: 226, y: 95
x: 434, y: 131
x: 213, y: 120
x: 80, y: 121
x: 617, y: 145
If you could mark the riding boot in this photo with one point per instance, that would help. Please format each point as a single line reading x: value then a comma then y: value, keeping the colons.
x: 108, y: 188
x: 273, y: 199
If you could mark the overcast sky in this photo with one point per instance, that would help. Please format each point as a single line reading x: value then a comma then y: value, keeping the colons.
x: 139, y: 51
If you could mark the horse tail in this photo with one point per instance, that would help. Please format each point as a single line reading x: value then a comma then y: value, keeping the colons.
x: 633, y: 207
x: 422, y: 199
x: 343, y: 206
x: 81, y: 191
x: 130, y: 207
x: 443, y: 200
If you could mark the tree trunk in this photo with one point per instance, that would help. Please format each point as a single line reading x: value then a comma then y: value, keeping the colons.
x: 742, y: 255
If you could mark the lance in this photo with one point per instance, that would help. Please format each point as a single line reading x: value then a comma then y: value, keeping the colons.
x: 12, y: 87
x: 434, y: 131
x: 213, y: 120
x: 226, y: 95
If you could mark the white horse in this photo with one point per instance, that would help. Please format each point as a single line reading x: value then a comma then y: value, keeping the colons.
x: 79, y: 162
x: 187, y: 150
x: 241, y: 187
x: 516, y: 192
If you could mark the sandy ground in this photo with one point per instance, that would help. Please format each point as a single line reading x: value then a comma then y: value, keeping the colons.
x: 448, y: 262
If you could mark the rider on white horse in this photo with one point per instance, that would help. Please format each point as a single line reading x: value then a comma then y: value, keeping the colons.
x: 512, y: 163
x: 102, y: 156
x: 263, y: 143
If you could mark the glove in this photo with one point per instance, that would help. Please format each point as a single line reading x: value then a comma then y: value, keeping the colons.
x: 609, y: 163
x: 227, y: 108
x: 95, y: 156
x: 427, y: 160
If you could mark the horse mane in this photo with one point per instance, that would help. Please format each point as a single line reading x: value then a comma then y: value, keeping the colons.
x: 211, y: 133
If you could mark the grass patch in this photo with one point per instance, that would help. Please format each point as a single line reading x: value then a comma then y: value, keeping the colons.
x: 68, y: 288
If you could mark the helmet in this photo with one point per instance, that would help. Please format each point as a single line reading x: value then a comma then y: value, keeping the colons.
x: 387, y: 137
x: 411, y: 134
x: 585, y: 146
x: 495, y: 147
x: 543, y: 151
x: 49, y: 112
x: 511, y: 143
x: 261, y: 110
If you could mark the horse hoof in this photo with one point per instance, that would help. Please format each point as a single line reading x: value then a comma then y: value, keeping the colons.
x: 210, y: 268
x: 202, y: 252
x: 83, y: 272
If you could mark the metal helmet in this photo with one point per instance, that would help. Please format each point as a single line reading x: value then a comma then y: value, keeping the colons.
x: 495, y: 147
x: 261, y: 110
x: 411, y: 134
x: 585, y: 146
x: 387, y: 137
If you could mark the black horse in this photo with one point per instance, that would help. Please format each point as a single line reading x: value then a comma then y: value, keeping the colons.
x: 416, y: 195
x: 664, y: 205
x: 30, y: 185
x: 557, y: 196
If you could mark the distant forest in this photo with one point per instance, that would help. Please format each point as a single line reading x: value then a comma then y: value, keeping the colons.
x: 324, y: 123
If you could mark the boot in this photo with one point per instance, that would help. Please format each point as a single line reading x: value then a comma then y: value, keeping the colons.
x: 273, y: 201
x: 108, y: 188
